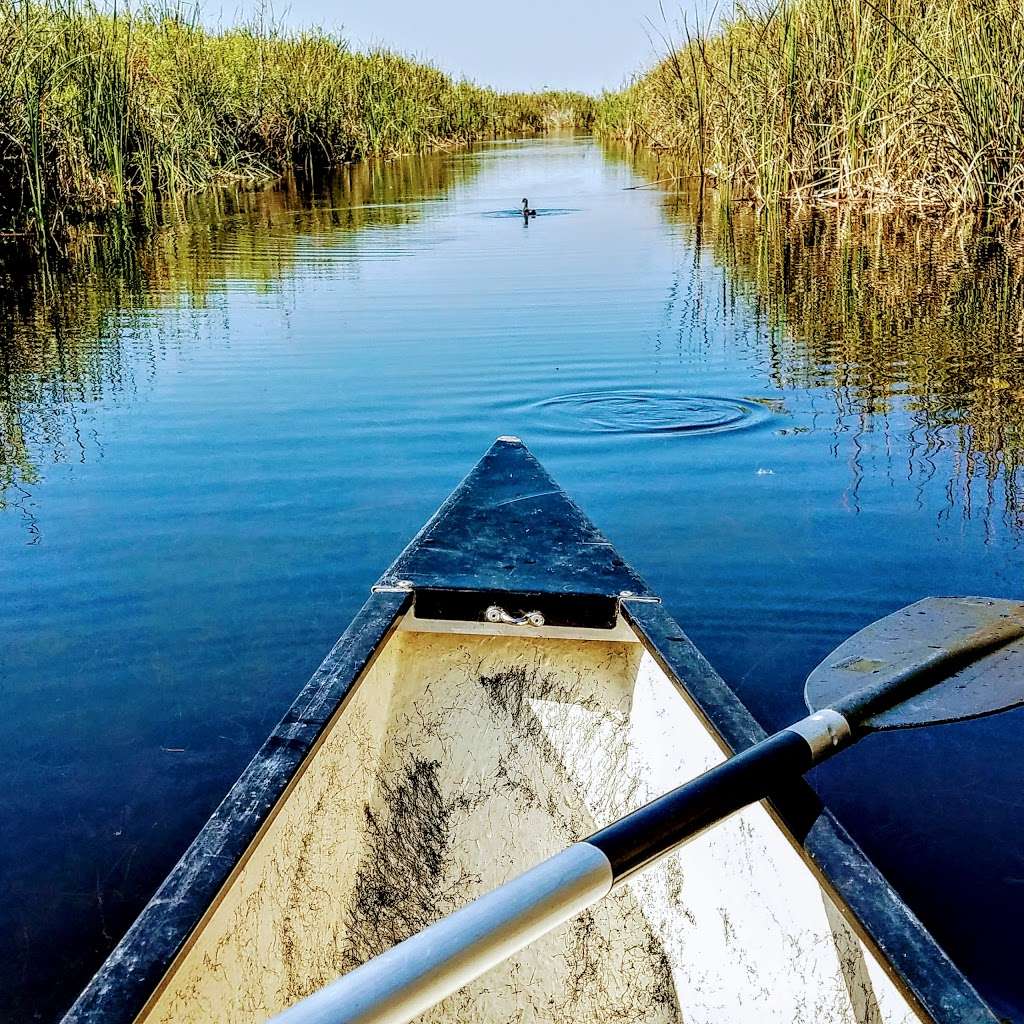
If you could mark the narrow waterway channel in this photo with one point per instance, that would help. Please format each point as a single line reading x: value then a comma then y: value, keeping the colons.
x: 213, y: 437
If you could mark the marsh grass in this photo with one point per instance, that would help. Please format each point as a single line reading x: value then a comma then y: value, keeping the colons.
x: 101, y: 109
x: 887, y: 102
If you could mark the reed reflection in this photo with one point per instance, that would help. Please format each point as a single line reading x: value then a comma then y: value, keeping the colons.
x: 81, y: 330
x: 911, y: 325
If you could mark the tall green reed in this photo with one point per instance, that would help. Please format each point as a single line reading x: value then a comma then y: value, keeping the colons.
x: 890, y: 102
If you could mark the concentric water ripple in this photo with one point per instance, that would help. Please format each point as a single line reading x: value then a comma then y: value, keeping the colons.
x: 650, y: 412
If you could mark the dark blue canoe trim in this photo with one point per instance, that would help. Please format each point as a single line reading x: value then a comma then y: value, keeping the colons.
x: 917, y: 964
x: 131, y: 974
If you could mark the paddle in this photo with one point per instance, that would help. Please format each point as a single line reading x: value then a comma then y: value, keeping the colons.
x: 939, y: 660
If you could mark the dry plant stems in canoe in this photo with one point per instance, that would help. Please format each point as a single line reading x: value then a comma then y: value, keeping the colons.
x: 511, y: 686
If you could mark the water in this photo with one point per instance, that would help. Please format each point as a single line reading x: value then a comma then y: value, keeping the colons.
x: 216, y: 436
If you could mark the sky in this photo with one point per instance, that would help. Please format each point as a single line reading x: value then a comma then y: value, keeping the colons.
x: 527, y: 44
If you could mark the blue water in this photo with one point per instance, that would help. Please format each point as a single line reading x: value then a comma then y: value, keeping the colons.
x: 215, y: 437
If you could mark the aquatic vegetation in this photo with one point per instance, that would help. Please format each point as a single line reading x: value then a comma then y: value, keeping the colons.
x: 101, y: 110
x: 891, y: 102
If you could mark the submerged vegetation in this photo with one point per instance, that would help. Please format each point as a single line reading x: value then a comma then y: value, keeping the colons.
x: 100, y: 111
x: 892, y: 102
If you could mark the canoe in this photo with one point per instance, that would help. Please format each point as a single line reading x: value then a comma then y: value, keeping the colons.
x: 511, y: 685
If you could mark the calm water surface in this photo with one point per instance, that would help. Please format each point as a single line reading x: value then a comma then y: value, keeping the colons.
x: 215, y: 438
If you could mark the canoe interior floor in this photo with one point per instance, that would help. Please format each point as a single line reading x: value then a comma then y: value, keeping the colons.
x: 461, y: 760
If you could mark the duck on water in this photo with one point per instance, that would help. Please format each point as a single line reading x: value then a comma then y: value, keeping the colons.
x: 527, y: 212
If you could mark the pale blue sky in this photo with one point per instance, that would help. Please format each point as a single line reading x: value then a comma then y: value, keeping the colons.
x: 526, y: 44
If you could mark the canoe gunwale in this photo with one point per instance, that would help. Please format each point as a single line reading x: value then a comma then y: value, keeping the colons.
x: 509, y: 533
x: 134, y: 974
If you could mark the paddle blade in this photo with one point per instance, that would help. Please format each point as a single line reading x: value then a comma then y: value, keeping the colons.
x: 947, y: 659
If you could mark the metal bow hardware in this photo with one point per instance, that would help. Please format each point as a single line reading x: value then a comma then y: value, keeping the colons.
x: 496, y: 614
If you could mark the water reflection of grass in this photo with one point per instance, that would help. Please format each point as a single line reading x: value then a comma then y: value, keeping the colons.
x: 918, y: 318
x: 894, y: 316
x: 83, y: 331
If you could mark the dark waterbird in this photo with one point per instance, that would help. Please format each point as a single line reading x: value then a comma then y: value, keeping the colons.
x: 527, y: 212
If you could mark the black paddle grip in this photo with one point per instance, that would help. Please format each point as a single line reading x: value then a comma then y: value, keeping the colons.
x: 633, y: 842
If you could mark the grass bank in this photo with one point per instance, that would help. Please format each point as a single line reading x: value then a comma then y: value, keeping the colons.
x: 885, y: 102
x: 99, y: 110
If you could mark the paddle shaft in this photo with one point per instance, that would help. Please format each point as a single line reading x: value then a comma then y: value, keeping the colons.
x: 401, y: 983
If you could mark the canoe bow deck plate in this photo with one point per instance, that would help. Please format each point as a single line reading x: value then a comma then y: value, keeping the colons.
x: 509, y: 533
x: 441, y: 749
